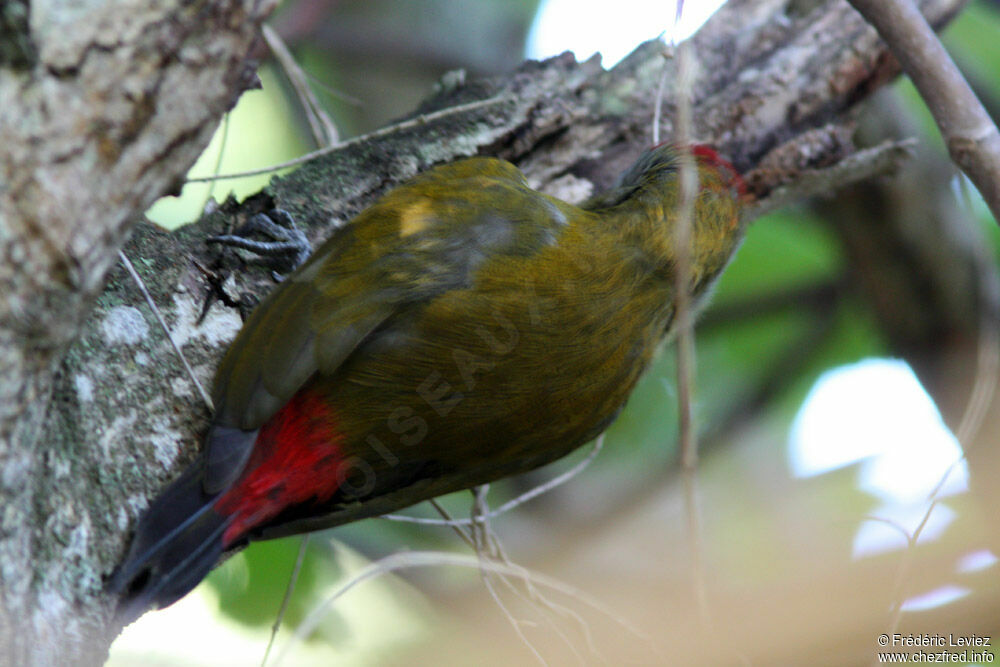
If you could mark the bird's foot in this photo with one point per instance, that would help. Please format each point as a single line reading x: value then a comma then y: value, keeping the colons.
x: 287, y: 249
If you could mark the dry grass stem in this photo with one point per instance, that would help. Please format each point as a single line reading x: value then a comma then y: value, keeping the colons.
x: 514, y: 502
x: 137, y: 279
x: 320, y: 124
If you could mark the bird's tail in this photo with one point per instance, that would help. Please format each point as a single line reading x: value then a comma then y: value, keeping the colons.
x: 179, y: 539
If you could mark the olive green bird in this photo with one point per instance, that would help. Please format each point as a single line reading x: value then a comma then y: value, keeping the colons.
x: 462, y: 329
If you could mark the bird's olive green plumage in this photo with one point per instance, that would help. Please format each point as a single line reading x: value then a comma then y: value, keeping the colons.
x: 462, y: 329
x: 466, y: 327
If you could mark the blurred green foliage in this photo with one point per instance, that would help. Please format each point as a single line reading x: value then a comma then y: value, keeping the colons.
x: 255, y: 134
x: 252, y: 585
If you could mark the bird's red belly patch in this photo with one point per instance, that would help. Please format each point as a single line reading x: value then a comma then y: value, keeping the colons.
x: 295, y: 460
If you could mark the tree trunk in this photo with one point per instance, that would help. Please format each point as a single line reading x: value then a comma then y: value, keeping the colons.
x: 103, y: 107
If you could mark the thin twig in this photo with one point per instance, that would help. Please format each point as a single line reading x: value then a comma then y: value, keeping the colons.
x: 696, y: 544
x: 536, y: 597
x: 981, y: 397
x: 556, y: 481
x: 480, y: 516
x: 905, y: 563
x: 683, y: 236
x: 491, y: 548
x: 884, y: 158
x: 660, y: 92
x: 163, y: 325
x: 514, y: 622
x: 988, y: 354
x: 460, y: 530
x: 333, y: 92
x: 987, y: 357
x: 415, y: 559
x: 223, y: 140
x: 684, y: 269
x: 296, y: 569
x: 515, y: 502
x: 423, y: 119
x: 481, y: 542
x: 895, y: 525
x: 323, y: 129
x: 970, y: 134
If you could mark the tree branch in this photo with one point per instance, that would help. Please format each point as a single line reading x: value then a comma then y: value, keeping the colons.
x: 972, y: 139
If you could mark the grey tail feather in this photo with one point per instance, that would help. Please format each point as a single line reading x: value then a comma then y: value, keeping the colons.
x: 227, y: 451
x: 177, y: 543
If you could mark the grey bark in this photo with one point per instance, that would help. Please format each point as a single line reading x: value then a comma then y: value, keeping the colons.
x: 103, y: 107
x: 113, y: 106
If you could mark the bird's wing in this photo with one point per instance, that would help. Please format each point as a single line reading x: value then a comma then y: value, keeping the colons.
x: 420, y: 240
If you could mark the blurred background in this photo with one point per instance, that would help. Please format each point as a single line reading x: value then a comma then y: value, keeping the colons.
x: 844, y: 400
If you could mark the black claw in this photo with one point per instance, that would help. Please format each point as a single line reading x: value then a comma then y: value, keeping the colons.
x: 286, y: 251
